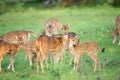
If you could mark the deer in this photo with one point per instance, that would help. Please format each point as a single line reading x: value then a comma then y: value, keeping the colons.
x: 8, y: 48
x: 29, y: 47
x: 78, y: 49
x: 54, y: 44
x: 52, y: 27
x: 17, y: 37
x: 116, y: 32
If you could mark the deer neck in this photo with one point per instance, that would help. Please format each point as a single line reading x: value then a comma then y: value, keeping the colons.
x: 65, y: 40
x: 65, y: 36
x: 71, y: 49
x: 70, y: 46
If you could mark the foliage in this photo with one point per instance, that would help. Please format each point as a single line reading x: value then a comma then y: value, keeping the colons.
x: 18, y: 5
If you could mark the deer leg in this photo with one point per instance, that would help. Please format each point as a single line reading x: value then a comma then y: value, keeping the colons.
x: 114, y: 40
x: 71, y: 60
x: 30, y: 58
x: 41, y: 61
x: 50, y: 57
x: 9, y: 66
x: 12, y: 62
x: 38, y: 57
x: 76, y: 61
x: 1, y: 58
x: 46, y: 60
x: 0, y: 68
x: 57, y: 58
x: 61, y: 58
x: 97, y: 61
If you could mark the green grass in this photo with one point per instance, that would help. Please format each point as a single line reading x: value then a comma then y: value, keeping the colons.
x: 90, y: 24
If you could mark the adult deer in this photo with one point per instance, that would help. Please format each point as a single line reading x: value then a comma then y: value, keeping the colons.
x: 52, y: 27
x: 54, y: 44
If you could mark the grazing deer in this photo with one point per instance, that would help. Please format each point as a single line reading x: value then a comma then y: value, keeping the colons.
x: 17, y: 37
x: 116, y: 32
x: 77, y: 50
x: 8, y: 48
x: 57, y: 45
x: 52, y: 26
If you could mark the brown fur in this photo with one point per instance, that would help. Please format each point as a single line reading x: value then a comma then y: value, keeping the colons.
x: 17, y: 37
x: 29, y: 47
x: 117, y: 21
x: 45, y: 44
x: 8, y: 48
x: 52, y: 26
x: 77, y: 50
x: 116, y: 32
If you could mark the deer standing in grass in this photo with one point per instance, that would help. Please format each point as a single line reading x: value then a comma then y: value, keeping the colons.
x: 52, y: 27
x: 77, y: 50
x: 116, y: 32
x: 55, y: 44
x: 8, y: 48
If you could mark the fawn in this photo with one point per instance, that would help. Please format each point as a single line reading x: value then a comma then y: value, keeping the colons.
x: 76, y: 49
x: 8, y: 48
x: 55, y: 44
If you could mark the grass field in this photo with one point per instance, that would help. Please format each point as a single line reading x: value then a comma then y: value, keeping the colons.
x: 90, y: 24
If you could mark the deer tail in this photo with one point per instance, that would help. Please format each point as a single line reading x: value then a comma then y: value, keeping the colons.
x: 103, y: 50
x: 33, y: 33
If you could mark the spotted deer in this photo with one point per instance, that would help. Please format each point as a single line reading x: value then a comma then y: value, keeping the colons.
x: 52, y: 26
x: 8, y: 48
x: 17, y: 37
x: 78, y: 49
x: 57, y: 45
x: 29, y: 47
x: 116, y: 32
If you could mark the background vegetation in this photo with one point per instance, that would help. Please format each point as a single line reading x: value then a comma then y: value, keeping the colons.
x: 5, y: 5
x: 89, y: 23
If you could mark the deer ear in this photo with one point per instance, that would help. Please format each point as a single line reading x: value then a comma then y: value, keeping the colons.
x: 70, y: 24
x: 46, y: 25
